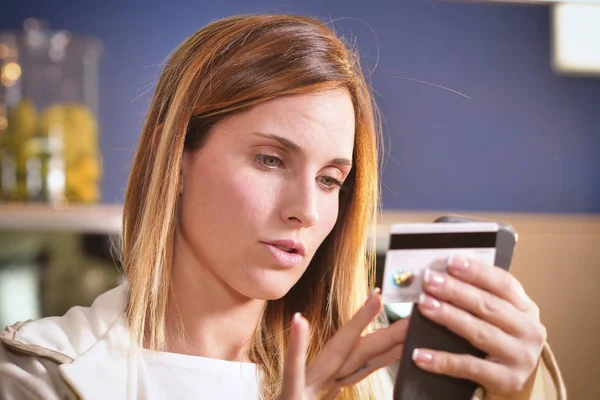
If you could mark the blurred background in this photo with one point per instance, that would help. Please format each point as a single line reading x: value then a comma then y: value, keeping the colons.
x: 491, y: 109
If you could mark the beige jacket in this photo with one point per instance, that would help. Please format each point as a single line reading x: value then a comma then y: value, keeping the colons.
x: 86, y: 354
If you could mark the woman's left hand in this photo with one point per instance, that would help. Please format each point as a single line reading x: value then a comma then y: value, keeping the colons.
x: 488, y: 307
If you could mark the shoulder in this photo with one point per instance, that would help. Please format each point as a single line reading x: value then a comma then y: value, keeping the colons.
x: 31, y: 351
x: 24, y: 376
x: 64, y: 338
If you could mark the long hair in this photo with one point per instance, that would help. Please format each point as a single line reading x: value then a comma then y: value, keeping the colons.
x: 227, y: 67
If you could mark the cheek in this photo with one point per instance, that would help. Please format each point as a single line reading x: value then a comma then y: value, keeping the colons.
x: 252, y: 196
x: 246, y: 200
x: 328, y: 216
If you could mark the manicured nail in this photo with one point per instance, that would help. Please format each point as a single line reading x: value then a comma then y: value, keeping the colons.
x: 434, y: 278
x: 422, y: 357
x: 429, y: 302
x: 375, y: 291
x: 457, y: 263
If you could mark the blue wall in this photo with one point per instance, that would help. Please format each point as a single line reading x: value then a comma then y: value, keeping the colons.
x: 525, y: 139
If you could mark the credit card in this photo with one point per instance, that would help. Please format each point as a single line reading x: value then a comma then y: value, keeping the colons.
x: 416, y: 247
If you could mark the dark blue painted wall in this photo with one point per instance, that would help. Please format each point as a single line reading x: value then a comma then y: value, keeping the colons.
x: 525, y: 139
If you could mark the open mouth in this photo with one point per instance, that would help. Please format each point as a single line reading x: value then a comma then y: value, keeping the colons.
x: 286, y: 253
x: 286, y: 249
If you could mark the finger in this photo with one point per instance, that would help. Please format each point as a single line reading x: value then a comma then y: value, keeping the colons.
x: 494, y: 280
x: 339, y: 347
x: 495, y: 378
x: 383, y: 360
x: 487, y: 306
x: 295, y: 361
x: 374, y: 344
x: 479, y: 333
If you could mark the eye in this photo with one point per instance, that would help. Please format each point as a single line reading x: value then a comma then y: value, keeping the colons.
x: 330, y: 183
x: 268, y: 161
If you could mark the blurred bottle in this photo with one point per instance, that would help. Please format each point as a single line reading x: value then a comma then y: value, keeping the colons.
x: 48, y: 116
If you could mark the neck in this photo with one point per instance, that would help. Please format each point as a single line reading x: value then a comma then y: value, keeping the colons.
x: 217, y: 321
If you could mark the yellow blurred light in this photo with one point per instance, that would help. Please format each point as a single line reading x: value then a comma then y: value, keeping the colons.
x: 11, y: 71
x: 6, y: 82
x: 3, y: 123
x: 4, y: 51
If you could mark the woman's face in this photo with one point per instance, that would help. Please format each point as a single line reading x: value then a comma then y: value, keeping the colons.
x: 262, y: 194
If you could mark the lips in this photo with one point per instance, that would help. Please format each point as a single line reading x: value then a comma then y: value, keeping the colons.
x: 286, y: 253
x: 289, y: 246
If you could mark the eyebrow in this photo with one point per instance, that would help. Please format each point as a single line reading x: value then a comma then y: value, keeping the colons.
x: 291, y: 146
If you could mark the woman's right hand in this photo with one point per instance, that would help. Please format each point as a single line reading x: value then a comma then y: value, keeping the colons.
x: 346, y: 359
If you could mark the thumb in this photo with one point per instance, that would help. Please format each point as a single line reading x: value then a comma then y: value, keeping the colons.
x: 295, y: 361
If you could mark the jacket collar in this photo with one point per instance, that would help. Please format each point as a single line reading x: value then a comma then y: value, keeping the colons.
x: 109, y: 369
x: 64, y: 339
x: 91, y: 345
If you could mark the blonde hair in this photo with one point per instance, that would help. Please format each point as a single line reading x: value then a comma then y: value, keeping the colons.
x: 227, y: 67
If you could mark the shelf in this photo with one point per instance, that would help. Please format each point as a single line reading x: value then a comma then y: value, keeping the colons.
x: 107, y: 218
x: 101, y: 218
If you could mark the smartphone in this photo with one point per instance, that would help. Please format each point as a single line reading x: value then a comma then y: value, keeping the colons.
x: 414, y: 247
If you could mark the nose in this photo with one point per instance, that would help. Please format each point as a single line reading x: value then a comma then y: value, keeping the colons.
x: 301, y: 203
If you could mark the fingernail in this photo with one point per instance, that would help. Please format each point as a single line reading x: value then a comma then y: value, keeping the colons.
x: 296, y: 317
x: 434, y: 278
x: 429, y: 302
x: 422, y: 357
x: 374, y: 294
x: 457, y: 263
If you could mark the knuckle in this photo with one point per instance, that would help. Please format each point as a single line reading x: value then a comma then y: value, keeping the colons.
x: 537, y: 334
x: 464, y: 367
x: 541, y: 334
x: 530, y: 359
x: 449, y: 364
x: 449, y: 314
x: 544, y: 334
x: 478, y: 270
x: 515, y: 287
x: 444, y: 311
x: 481, y: 336
x: 488, y: 305
x: 521, y: 380
x: 441, y: 363
x: 513, y: 383
x: 461, y: 366
x: 444, y: 363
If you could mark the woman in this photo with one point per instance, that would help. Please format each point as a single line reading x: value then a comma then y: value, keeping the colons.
x: 249, y: 203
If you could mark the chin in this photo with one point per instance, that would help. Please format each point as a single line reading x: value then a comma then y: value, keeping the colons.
x: 265, y: 286
x: 259, y: 292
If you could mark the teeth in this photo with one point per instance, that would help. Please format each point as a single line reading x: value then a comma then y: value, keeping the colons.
x: 284, y: 248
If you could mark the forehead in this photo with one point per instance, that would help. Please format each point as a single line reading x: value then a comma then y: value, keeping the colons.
x: 317, y: 121
x: 322, y: 109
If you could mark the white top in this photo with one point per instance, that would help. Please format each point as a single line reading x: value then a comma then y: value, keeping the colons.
x: 178, y: 376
